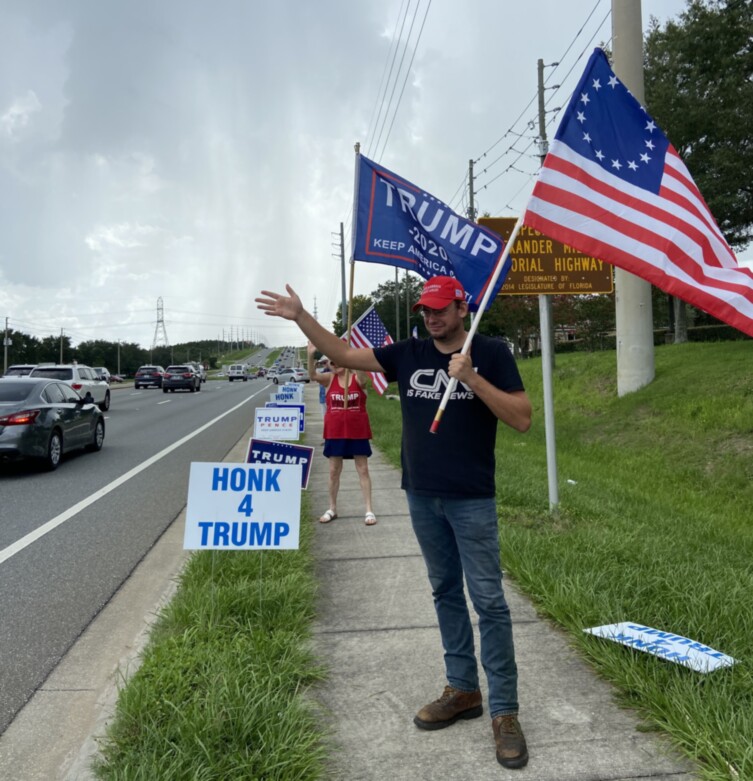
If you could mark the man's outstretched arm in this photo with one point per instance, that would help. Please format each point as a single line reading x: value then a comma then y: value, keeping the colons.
x: 290, y: 308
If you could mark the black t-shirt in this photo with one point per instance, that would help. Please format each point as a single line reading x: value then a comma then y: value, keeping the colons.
x: 457, y: 461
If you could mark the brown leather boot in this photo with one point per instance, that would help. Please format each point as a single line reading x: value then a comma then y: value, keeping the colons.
x: 451, y: 706
x: 512, y: 751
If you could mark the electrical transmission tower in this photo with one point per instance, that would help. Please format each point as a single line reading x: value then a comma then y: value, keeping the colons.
x: 160, y: 334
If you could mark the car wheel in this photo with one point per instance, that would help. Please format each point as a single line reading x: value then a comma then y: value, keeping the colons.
x: 98, y: 438
x: 164, y: 390
x: 136, y: 387
x: 198, y: 387
x: 193, y: 389
x: 105, y: 405
x: 54, y: 452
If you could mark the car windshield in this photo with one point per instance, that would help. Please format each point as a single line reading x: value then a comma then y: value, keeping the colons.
x: 14, y: 391
x: 54, y: 373
x: 178, y: 369
x: 18, y: 371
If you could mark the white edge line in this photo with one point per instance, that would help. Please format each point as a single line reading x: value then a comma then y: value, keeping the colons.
x: 53, y: 523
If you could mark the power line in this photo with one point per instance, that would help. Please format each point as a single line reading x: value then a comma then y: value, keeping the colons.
x: 407, y: 71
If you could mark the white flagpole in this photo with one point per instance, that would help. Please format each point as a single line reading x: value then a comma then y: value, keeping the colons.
x: 452, y: 384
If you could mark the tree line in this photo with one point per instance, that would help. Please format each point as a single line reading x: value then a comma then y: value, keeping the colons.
x: 118, y: 357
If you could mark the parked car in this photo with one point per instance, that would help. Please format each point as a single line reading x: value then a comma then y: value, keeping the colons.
x: 81, y: 378
x: 237, y: 371
x: 19, y: 369
x: 42, y: 418
x: 291, y: 375
x: 148, y: 377
x: 182, y: 377
x: 102, y: 373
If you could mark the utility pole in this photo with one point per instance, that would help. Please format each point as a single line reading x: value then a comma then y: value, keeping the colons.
x: 6, y: 342
x: 61, y: 345
x: 471, y: 212
x: 397, y: 307
x: 633, y: 310
x: 344, y: 295
x: 407, y: 304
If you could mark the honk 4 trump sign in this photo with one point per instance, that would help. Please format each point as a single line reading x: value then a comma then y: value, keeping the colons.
x: 243, y: 507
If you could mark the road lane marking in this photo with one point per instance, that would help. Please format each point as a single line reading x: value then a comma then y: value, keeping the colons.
x: 53, y: 523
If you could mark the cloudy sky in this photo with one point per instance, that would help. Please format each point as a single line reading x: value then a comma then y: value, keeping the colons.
x: 198, y: 152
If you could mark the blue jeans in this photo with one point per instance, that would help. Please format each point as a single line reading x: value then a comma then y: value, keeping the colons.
x: 460, y: 536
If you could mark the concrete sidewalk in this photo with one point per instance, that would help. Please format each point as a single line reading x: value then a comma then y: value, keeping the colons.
x: 378, y: 634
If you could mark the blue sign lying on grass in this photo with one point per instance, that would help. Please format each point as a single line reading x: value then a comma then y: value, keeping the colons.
x: 667, y: 645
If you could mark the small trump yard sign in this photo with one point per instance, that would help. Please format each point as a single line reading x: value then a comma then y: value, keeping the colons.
x: 277, y: 423
x: 290, y: 405
x: 243, y: 507
x: 261, y: 452
x: 667, y: 645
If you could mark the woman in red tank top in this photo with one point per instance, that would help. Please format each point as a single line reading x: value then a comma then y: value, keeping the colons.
x: 347, y: 432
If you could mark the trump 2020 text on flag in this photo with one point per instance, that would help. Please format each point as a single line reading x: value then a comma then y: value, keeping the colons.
x: 614, y: 187
x: 369, y: 331
x: 399, y: 224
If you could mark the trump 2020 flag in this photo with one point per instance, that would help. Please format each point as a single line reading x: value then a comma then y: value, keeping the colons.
x: 399, y: 224
x: 369, y: 331
x: 614, y: 187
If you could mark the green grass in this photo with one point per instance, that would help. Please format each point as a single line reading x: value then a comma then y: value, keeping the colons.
x: 222, y: 691
x: 656, y: 527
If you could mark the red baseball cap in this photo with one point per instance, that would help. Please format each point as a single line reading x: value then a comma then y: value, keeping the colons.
x: 438, y: 292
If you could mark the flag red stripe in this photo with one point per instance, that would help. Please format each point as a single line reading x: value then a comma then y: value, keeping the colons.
x: 650, y: 210
x: 663, y: 244
x: 738, y: 311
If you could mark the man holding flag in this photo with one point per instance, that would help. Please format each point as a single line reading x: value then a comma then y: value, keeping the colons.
x: 449, y: 481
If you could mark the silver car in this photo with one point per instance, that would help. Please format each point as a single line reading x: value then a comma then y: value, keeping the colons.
x: 43, y: 419
x: 291, y: 375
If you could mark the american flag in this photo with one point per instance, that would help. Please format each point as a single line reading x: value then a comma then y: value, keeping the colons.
x: 614, y: 187
x: 369, y: 331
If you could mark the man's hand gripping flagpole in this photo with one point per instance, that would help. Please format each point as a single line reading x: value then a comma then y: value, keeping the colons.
x: 452, y: 384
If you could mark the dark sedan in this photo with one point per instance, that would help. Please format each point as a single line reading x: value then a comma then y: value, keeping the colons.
x: 148, y: 376
x: 181, y: 378
x: 43, y: 419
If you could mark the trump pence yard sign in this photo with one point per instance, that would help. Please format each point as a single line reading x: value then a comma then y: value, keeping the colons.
x: 243, y: 507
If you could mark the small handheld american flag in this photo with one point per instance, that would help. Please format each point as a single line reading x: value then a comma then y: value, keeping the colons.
x: 368, y: 332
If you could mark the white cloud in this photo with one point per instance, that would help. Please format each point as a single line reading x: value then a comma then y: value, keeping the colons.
x: 18, y: 116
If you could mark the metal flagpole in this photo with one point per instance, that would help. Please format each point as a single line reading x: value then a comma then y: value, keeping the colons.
x: 352, y: 269
x: 452, y: 384
x: 547, y: 342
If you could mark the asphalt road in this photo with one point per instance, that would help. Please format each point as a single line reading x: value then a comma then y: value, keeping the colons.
x: 70, y: 538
